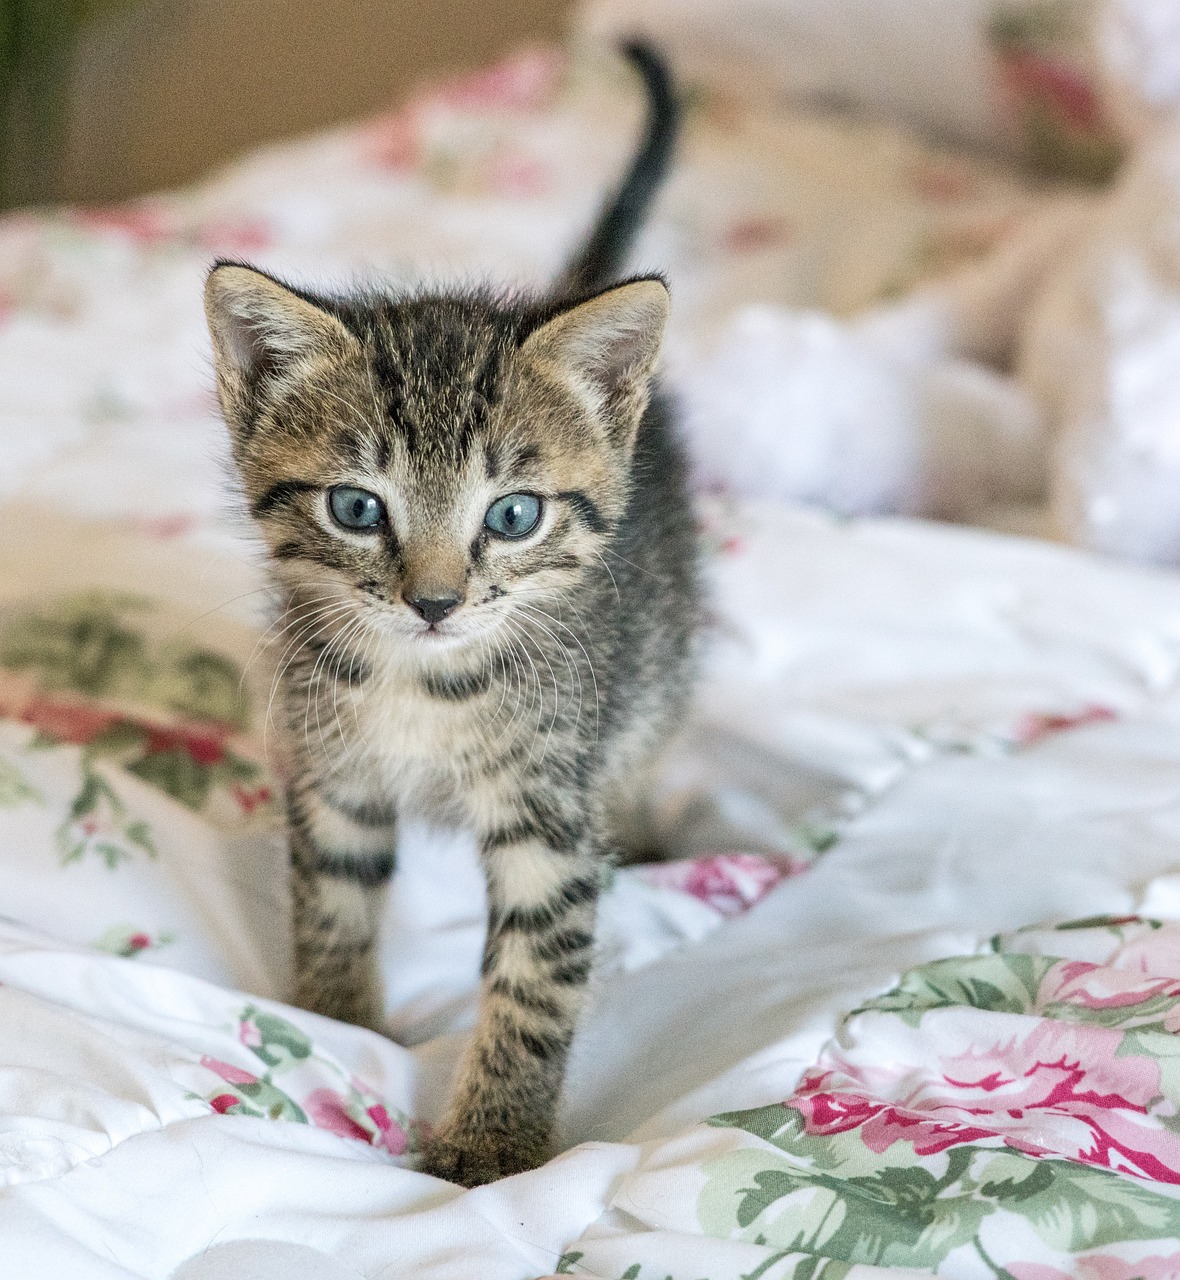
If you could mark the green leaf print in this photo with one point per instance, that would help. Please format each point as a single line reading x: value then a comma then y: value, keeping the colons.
x: 279, y: 1043
x: 907, y: 1213
x: 1083, y: 1207
x: 116, y: 739
x: 1116, y: 924
x: 271, y: 1102
x: 102, y: 684
x: 261, y: 1100
x: 139, y: 834
x: 999, y: 983
x: 94, y: 644
x: 1015, y: 1177
x: 805, y: 1269
x: 204, y: 685
x: 896, y: 1216
x: 768, y: 1123
x: 835, y: 1197
x: 849, y: 1190
x: 175, y: 773
x: 98, y: 824
x: 770, y: 1185
x: 82, y: 643
x: 15, y: 788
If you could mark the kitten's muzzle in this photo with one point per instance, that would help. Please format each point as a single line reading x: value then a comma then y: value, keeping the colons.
x: 433, y: 608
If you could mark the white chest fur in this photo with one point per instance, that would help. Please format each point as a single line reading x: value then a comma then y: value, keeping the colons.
x: 397, y: 741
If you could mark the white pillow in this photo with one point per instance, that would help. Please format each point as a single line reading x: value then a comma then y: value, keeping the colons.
x: 1101, y: 355
x: 1019, y: 75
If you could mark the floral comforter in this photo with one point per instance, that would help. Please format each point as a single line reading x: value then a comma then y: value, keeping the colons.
x: 913, y: 746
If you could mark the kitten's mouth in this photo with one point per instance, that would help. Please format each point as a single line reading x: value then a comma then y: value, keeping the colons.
x: 438, y: 634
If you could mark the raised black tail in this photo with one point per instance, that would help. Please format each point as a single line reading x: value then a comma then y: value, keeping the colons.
x: 602, y: 259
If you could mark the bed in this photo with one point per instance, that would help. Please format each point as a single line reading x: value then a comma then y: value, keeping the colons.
x: 907, y: 996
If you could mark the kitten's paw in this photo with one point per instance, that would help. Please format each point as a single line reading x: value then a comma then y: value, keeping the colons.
x: 474, y: 1159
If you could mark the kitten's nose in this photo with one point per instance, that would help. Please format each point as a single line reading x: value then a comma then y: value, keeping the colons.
x: 433, y: 608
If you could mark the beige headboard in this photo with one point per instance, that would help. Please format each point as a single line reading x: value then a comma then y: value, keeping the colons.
x: 170, y: 88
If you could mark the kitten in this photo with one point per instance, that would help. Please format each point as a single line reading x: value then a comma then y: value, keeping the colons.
x: 478, y: 522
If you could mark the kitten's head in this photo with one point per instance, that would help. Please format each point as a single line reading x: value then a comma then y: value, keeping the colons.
x: 436, y: 464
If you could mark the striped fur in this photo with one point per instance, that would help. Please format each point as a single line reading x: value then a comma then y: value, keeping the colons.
x: 531, y: 711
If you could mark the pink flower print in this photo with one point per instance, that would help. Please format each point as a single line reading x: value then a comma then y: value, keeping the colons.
x: 751, y: 235
x: 165, y: 528
x: 392, y: 142
x: 525, y: 81
x: 1035, y: 1271
x: 927, y: 1136
x: 329, y: 1110
x: 204, y: 746
x: 1036, y: 726
x: 249, y: 1035
x: 127, y: 941
x: 1094, y: 986
x: 251, y: 798
x: 730, y: 883
x: 141, y: 223
x: 1103, y: 1267
x: 228, y: 1072
x: 827, y: 1112
x: 1156, y: 951
x: 1053, y: 1088
x: 246, y: 236
x: 1100, y: 1266
x: 1036, y: 78
x: 223, y: 1102
x: 392, y: 1136
x: 64, y: 720
x: 1063, y: 1089
x: 941, y: 182
x: 517, y: 176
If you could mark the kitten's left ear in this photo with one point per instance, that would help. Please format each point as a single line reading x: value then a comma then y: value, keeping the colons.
x: 607, y: 349
x: 262, y: 330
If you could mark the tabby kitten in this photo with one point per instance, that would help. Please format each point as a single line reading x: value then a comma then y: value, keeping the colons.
x: 478, y: 524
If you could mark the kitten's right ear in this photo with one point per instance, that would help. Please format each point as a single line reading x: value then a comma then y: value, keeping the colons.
x: 262, y: 331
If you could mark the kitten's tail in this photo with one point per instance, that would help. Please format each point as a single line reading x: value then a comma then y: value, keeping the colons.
x: 602, y: 259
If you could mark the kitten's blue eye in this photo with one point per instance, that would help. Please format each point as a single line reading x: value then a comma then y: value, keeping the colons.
x: 514, y: 515
x: 355, y: 508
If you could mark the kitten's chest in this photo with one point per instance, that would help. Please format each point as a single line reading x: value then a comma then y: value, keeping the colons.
x: 425, y: 752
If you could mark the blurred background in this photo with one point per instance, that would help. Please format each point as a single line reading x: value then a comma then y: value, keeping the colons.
x: 925, y: 253
x: 103, y: 99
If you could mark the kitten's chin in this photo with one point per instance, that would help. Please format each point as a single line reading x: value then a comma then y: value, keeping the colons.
x: 442, y: 638
x: 438, y: 639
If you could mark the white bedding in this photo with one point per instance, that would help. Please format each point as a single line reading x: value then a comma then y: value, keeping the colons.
x: 910, y: 737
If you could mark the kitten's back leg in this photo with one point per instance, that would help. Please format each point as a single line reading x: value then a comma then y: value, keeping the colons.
x: 632, y: 818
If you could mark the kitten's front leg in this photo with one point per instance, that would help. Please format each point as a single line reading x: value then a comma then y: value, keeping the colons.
x: 543, y: 882
x: 342, y: 856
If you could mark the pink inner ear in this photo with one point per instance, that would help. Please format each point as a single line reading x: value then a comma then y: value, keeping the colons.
x: 248, y: 348
x: 258, y: 321
x: 612, y: 338
x: 629, y: 353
